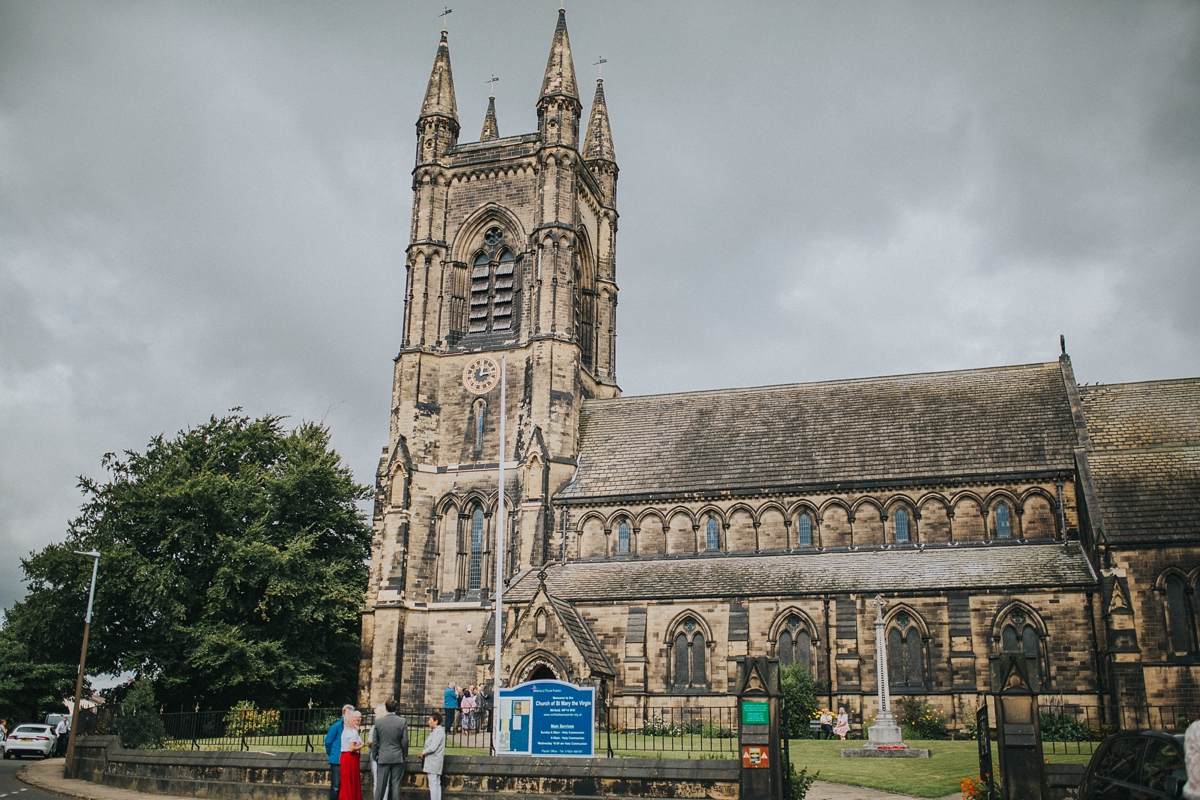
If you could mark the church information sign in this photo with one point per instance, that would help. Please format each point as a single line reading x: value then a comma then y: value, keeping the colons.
x: 547, y: 718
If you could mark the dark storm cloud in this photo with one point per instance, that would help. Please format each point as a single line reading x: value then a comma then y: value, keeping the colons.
x: 205, y: 205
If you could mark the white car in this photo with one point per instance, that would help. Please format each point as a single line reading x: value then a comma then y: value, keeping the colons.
x: 36, y: 740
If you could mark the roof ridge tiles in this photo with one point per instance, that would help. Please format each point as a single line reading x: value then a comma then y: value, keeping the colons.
x: 832, y: 382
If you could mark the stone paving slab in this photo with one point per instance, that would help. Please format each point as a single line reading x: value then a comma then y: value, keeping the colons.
x: 48, y: 776
x: 824, y: 790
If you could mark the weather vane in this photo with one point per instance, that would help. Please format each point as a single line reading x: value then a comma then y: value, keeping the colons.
x: 599, y: 65
x: 488, y: 83
x: 443, y: 15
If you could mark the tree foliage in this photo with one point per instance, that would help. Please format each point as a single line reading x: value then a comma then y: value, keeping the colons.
x: 30, y: 686
x: 139, y: 725
x: 233, y: 568
x: 800, y: 694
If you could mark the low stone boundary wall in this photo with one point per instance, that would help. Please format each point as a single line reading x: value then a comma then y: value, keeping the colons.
x: 1062, y: 780
x: 223, y: 775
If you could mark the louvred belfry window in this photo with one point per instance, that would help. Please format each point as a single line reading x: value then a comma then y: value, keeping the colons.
x: 493, y: 279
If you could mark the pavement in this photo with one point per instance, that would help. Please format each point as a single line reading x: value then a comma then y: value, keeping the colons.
x: 823, y: 790
x: 45, y: 780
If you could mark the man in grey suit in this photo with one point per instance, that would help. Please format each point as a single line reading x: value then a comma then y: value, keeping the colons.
x: 389, y: 750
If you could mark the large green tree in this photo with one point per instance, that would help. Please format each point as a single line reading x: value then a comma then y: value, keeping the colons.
x: 233, y: 568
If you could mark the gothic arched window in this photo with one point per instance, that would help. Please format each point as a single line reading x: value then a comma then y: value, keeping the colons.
x: 795, y: 643
x: 492, y: 285
x: 503, y: 296
x: 1020, y: 636
x: 585, y: 313
x: 1003, y: 522
x: 688, y: 668
x: 906, y: 654
x: 480, y: 418
x: 481, y: 286
x: 475, y: 569
x: 901, y: 525
x: 1179, y: 626
x: 712, y: 536
x: 804, y: 531
x: 623, y: 538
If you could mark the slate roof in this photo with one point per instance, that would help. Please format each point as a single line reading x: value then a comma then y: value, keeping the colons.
x: 910, y: 569
x: 1145, y: 460
x: 899, y: 429
x: 581, y: 633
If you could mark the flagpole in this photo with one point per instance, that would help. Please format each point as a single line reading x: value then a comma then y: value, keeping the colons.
x: 499, y: 623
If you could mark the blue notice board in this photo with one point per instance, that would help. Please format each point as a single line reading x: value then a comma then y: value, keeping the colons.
x: 547, y: 718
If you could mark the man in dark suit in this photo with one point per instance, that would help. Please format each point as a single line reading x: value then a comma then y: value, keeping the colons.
x: 389, y: 749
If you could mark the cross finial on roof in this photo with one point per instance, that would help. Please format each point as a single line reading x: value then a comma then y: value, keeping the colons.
x: 879, y: 604
x: 542, y: 577
x: 599, y: 65
x: 443, y: 15
x: 488, y: 83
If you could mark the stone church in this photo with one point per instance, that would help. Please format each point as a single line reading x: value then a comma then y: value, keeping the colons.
x: 653, y: 539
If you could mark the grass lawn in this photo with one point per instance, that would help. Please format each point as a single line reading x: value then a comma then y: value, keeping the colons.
x: 936, y: 776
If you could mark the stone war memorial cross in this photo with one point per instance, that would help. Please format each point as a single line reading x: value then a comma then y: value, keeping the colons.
x: 886, y: 740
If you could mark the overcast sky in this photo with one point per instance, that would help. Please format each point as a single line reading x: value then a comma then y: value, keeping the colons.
x: 205, y: 205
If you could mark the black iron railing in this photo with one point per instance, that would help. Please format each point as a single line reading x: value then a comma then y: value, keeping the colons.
x: 697, y: 732
x: 1073, y: 728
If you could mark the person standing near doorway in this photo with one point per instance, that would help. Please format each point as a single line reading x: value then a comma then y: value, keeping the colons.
x: 389, y: 750
x: 432, y: 755
x: 333, y: 749
x: 351, y: 788
x: 450, y: 704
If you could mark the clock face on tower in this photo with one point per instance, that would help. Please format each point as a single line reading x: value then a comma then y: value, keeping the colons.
x: 481, y: 375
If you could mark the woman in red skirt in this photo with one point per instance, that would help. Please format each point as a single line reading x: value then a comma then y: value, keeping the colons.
x: 351, y: 788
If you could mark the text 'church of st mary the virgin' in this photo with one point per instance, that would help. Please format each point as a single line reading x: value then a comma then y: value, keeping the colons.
x: 654, y: 539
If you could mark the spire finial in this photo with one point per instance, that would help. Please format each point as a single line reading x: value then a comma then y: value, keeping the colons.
x: 560, y: 68
x: 599, y: 65
x: 598, y: 143
x: 489, y: 82
x: 439, y: 95
x: 445, y: 22
x: 491, y: 130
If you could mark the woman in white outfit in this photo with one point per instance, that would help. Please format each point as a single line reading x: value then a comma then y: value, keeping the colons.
x: 379, y: 712
x: 1191, y: 790
x: 432, y: 754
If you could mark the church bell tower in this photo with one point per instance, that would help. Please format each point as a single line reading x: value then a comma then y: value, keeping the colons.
x: 511, y: 256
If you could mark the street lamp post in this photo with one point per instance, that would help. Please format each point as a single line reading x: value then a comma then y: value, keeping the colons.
x: 87, y: 627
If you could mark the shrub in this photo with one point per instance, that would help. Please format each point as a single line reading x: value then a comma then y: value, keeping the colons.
x: 798, y: 782
x: 925, y: 721
x: 245, y: 719
x: 800, y: 699
x: 655, y: 726
x: 711, y: 730
x: 139, y: 726
x: 1062, y: 728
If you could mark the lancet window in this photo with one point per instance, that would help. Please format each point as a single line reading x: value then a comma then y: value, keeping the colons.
x: 1003, y: 522
x: 475, y: 568
x: 492, y: 285
x: 901, y: 524
x: 906, y: 654
x: 623, y: 538
x: 1019, y: 635
x: 804, y: 529
x: 688, y: 655
x: 712, y: 535
x: 1179, y: 622
x: 795, y: 643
